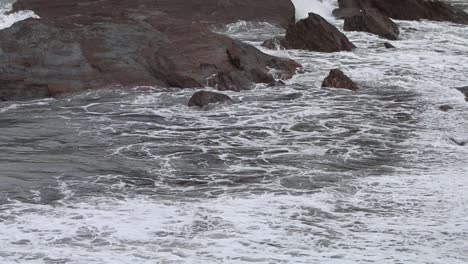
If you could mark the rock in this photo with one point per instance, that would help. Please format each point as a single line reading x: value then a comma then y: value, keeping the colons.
x: 372, y: 21
x: 98, y: 44
x: 409, y: 9
x: 203, y: 98
x: 389, y: 46
x: 459, y: 142
x: 315, y: 34
x: 463, y: 90
x: 445, y: 108
x: 337, y: 79
x: 342, y: 13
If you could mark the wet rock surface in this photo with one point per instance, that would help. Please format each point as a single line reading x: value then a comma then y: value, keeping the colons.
x: 337, y: 79
x: 372, y: 21
x: 102, y: 44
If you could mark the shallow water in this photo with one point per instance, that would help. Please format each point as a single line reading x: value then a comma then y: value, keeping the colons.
x: 292, y: 174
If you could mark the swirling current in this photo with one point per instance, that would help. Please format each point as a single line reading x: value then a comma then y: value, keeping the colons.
x: 289, y: 174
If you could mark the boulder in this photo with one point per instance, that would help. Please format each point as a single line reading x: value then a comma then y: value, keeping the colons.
x: 337, y: 79
x: 313, y: 33
x: 203, y: 98
x: 97, y: 44
x: 408, y: 9
x: 372, y: 21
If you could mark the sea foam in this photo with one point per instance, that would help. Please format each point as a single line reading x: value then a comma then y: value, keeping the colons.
x: 323, y: 8
x: 8, y: 19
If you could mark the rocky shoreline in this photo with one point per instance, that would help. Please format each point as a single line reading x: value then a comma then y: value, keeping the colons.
x: 89, y: 44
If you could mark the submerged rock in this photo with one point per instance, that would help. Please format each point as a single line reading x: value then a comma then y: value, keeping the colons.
x: 337, y: 79
x: 203, y: 98
x: 372, y: 21
x: 463, y: 90
x: 445, y: 108
x: 407, y: 9
x: 313, y: 33
x: 389, y: 46
x: 460, y: 143
x: 96, y: 44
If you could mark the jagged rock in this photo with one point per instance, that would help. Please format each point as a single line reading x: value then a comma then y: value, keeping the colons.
x: 408, y: 9
x: 96, y: 44
x: 372, y: 21
x: 337, y: 79
x: 314, y: 33
x: 203, y: 98
x: 389, y: 46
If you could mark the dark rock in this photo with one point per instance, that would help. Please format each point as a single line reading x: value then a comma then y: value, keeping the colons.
x: 463, y: 90
x: 97, y: 44
x: 389, y: 46
x: 203, y: 98
x: 234, y: 57
x: 337, y: 79
x: 445, y: 108
x: 409, y: 9
x: 315, y: 34
x: 372, y: 21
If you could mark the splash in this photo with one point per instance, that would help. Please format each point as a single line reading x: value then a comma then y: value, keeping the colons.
x: 323, y: 8
x: 8, y: 19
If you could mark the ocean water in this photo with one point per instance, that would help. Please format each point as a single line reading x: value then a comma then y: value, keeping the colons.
x: 292, y: 174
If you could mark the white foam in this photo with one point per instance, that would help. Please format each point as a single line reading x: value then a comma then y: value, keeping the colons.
x: 7, y: 20
x: 414, y: 214
x: 323, y: 8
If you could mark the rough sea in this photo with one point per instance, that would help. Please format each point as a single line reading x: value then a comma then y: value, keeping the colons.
x: 291, y: 174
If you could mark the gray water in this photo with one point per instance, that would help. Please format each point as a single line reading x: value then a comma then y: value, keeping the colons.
x: 292, y: 174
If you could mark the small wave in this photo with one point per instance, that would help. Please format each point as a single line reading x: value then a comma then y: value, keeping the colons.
x: 323, y: 8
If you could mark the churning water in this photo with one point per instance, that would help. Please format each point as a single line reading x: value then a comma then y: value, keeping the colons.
x: 292, y: 174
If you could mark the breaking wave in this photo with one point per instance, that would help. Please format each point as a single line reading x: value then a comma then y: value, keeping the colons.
x: 323, y: 8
